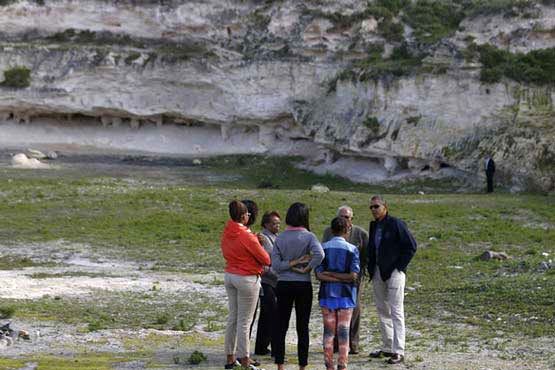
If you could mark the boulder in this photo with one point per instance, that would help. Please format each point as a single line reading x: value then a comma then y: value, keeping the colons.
x: 34, y: 153
x: 20, y: 160
x: 319, y: 188
x: 491, y: 255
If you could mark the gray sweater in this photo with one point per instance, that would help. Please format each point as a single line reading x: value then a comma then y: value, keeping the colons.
x: 291, y: 245
x: 268, y: 240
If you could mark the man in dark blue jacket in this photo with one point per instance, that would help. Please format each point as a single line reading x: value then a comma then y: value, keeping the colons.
x: 390, y: 250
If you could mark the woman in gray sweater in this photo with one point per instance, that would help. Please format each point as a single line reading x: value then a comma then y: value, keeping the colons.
x: 296, y: 252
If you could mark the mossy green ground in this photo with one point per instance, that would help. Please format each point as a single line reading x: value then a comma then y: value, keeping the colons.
x: 455, y: 300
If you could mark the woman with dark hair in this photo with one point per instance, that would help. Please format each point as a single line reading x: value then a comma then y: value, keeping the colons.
x: 252, y: 208
x: 266, y: 334
x: 245, y: 259
x: 296, y: 252
x: 338, y: 291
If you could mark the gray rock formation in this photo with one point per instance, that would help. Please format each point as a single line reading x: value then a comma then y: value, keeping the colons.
x: 212, y: 77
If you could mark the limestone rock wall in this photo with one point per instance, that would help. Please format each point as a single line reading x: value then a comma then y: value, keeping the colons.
x: 234, y: 68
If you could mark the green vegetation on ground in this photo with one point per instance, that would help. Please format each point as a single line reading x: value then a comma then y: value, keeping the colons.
x: 82, y: 361
x: 454, y: 300
x: 177, y: 226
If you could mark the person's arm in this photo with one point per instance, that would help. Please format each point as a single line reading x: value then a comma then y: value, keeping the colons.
x: 268, y: 247
x: 279, y: 263
x: 316, y: 253
x: 325, y: 276
x: 363, y: 252
x: 257, y: 251
x: 315, y: 258
x: 407, y: 245
x: 345, y: 277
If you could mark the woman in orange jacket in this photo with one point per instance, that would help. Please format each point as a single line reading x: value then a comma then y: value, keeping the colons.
x: 245, y: 259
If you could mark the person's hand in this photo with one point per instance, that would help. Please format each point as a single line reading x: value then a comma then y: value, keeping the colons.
x: 304, y: 259
x: 260, y: 238
x: 301, y: 270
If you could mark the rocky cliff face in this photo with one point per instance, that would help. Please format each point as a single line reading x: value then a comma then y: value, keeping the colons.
x: 328, y: 79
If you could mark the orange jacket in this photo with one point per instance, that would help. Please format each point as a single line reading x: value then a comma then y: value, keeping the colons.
x: 242, y: 252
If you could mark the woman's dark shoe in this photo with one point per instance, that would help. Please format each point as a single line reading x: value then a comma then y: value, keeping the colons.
x: 263, y: 352
x: 380, y: 354
x: 396, y: 359
x: 252, y: 361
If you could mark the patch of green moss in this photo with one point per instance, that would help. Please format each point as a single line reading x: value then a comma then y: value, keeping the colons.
x: 259, y: 20
x: 383, y: 11
x: 80, y: 361
x: 197, y: 357
x: 489, y: 7
x: 132, y: 57
x: 401, y: 63
x: 387, y: 27
x: 471, y: 52
x: 18, y: 77
x: 15, y: 262
x: 182, y: 51
x: 372, y: 124
x: 75, y: 36
x: 433, y: 20
x: 537, y: 66
x: 6, y: 311
x: 394, y: 6
x: 413, y: 120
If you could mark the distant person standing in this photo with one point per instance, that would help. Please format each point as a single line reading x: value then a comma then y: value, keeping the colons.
x: 338, y: 274
x: 390, y: 250
x: 358, y: 237
x: 296, y: 252
x: 489, y: 167
x: 266, y: 333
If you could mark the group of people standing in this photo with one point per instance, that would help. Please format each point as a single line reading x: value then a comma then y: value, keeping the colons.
x: 277, y: 269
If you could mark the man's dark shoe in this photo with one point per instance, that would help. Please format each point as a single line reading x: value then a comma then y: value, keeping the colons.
x: 353, y: 351
x: 262, y: 352
x: 380, y: 354
x: 396, y: 359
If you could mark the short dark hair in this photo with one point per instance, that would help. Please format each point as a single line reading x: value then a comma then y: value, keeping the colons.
x: 267, y: 217
x: 237, y: 210
x: 252, y: 207
x: 380, y: 199
x: 297, y: 215
x: 339, y: 225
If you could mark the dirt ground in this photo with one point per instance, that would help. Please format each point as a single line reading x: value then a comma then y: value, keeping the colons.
x: 77, y: 270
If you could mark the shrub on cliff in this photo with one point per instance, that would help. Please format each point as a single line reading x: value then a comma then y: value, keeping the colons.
x: 537, y: 66
x: 18, y: 77
x: 433, y: 20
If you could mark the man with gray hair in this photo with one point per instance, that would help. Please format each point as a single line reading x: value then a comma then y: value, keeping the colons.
x: 359, y: 238
x: 390, y: 249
